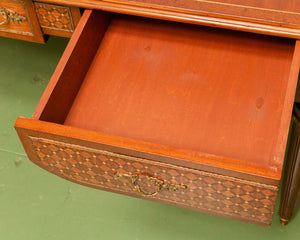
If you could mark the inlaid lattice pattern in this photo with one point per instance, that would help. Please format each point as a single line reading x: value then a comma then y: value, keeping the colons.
x: 54, y: 17
x: 204, y: 191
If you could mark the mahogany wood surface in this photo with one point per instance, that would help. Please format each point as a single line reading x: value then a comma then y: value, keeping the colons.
x: 54, y: 108
x: 276, y: 17
x: 55, y: 104
x: 67, y: 78
x: 187, y: 96
x: 277, y: 11
x: 191, y: 88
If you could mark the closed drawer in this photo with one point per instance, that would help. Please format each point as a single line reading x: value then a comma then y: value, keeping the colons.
x: 57, y: 20
x: 18, y: 20
x: 185, y: 115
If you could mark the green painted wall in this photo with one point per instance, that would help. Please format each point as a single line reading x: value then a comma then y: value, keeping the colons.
x: 36, y: 205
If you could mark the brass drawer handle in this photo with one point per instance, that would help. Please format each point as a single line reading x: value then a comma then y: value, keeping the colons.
x: 159, y: 184
x: 10, y: 16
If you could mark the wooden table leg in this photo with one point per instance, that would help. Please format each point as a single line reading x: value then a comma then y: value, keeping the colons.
x: 291, y: 179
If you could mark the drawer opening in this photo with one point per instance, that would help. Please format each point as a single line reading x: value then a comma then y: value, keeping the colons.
x: 188, y: 87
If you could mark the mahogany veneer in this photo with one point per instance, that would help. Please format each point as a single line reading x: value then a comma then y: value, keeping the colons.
x: 185, y: 115
x: 274, y: 17
x: 29, y: 20
x: 18, y: 20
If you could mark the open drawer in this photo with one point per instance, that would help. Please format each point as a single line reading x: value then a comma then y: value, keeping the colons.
x: 185, y: 115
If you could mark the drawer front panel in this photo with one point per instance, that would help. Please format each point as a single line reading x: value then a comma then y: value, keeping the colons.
x: 183, y: 187
x: 13, y: 17
x: 57, y: 20
x: 18, y: 20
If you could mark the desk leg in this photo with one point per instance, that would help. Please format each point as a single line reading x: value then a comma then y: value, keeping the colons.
x: 291, y: 179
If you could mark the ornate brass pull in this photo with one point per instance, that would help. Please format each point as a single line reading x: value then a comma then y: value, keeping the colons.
x: 157, y: 183
x: 10, y: 16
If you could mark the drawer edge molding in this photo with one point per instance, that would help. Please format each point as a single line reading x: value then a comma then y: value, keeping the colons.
x: 219, y: 194
x: 240, y: 23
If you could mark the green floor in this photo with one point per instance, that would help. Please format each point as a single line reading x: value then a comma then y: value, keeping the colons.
x: 35, y: 204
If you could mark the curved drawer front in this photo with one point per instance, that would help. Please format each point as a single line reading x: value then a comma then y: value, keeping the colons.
x: 175, y: 185
x: 18, y: 20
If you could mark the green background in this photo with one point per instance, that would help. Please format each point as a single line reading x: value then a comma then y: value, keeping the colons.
x: 35, y: 204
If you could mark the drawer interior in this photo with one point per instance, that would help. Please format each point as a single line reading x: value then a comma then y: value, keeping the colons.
x: 188, y: 87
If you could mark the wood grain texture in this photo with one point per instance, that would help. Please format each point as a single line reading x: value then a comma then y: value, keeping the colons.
x: 57, y: 20
x: 27, y: 29
x: 189, y: 88
x: 70, y: 71
x: 280, y: 18
x: 276, y: 11
x: 176, y: 100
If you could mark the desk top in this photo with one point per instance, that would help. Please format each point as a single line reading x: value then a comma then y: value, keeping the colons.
x: 276, y: 17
